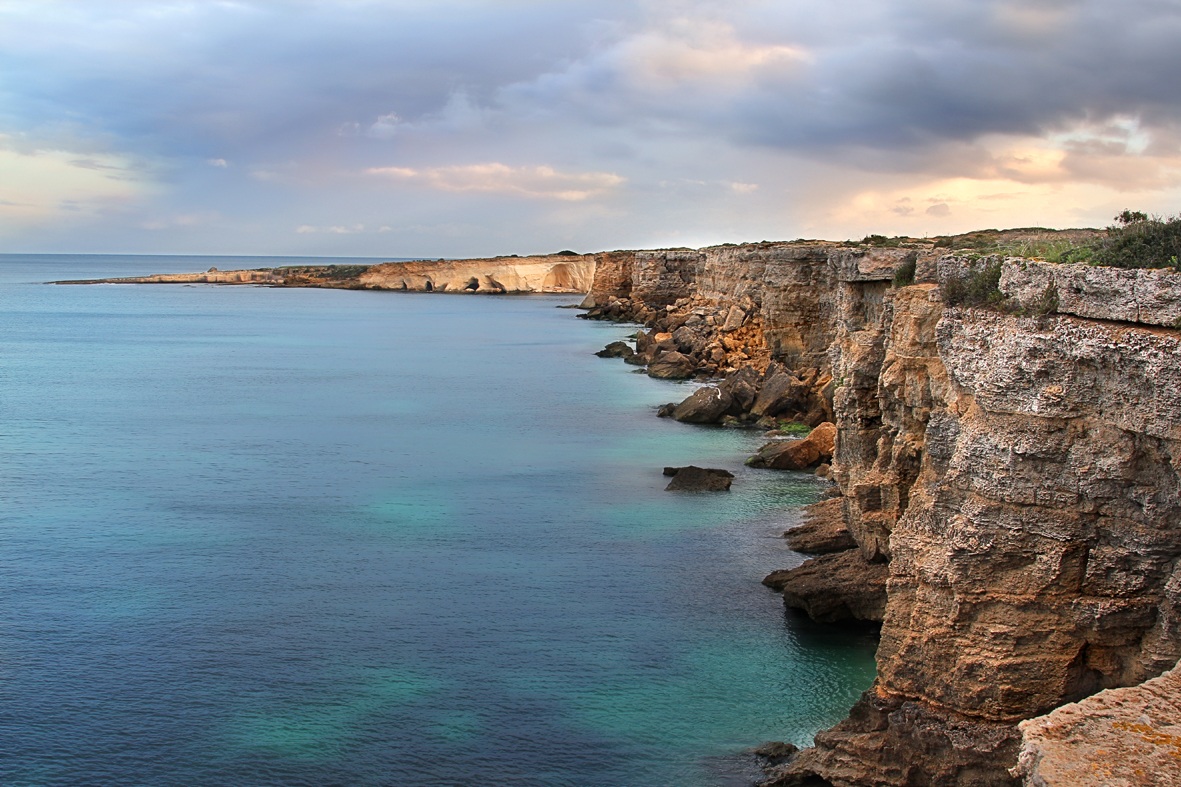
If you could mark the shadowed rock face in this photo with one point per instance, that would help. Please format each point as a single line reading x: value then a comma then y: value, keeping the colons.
x: 1018, y: 479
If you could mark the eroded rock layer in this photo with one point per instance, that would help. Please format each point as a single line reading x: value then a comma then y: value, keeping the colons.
x: 1014, y: 470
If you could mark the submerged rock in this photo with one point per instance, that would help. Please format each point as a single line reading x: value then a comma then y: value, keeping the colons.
x: 776, y: 752
x: 698, y: 479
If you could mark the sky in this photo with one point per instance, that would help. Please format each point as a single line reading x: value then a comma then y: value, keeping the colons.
x: 450, y: 128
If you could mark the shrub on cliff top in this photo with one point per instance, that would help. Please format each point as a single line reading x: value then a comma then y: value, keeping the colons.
x: 904, y: 275
x: 1138, y: 241
x: 981, y: 287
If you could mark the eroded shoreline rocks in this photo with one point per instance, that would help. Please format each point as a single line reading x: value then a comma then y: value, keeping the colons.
x: 1010, y: 475
x: 698, y: 479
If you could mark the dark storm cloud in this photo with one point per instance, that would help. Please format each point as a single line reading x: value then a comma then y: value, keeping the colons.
x: 900, y: 76
x: 201, y: 78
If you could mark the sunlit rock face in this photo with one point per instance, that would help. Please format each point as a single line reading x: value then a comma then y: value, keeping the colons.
x: 551, y: 273
x: 1016, y: 467
x: 1127, y: 736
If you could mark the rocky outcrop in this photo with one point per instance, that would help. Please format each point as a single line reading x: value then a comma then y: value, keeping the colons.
x: 834, y: 587
x: 1011, y: 471
x: 1116, y: 738
x: 698, y: 479
x: 212, y: 276
x: 550, y: 273
x: 554, y: 273
x: 822, y: 531
x: 802, y: 454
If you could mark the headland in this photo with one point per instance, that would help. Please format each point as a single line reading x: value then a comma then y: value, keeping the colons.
x: 1006, y: 462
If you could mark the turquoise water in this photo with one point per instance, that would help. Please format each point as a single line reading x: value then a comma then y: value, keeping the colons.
x: 266, y: 536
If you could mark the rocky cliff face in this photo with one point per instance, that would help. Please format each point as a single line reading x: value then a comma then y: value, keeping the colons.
x: 1016, y: 466
x: 550, y: 273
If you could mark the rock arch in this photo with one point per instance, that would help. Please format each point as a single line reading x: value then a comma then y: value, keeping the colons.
x: 559, y: 277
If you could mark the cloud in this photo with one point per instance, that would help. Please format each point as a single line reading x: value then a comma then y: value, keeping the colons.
x: 336, y: 229
x: 749, y: 118
x: 538, y: 182
x: 40, y: 185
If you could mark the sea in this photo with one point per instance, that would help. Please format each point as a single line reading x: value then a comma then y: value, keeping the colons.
x: 259, y: 536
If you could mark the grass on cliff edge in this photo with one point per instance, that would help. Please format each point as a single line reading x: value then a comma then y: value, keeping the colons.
x: 1134, y: 240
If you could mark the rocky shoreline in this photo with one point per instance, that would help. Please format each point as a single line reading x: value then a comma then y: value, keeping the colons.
x: 1007, y: 476
x: 1008, y: 481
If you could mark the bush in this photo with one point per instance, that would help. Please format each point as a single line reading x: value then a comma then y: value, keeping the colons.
x: 981, y: 287
x: 881, y: 241
x: 904, y: 275
x: 1137, y: 241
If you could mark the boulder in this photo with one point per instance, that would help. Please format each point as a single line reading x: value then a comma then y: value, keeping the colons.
x: 734, y: 319
x: 689, y: 341
x: 836, y: 587
x: 698, y: 479
x: 704, y: 406
x: 782, y: 392
x: 743, y: 385
x: 776, y: 752
x: 644, y: 342
x: 804, y: 454
x: 670, y: 365
x: 616, y: 350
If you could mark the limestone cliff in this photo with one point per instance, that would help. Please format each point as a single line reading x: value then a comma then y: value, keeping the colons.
x: 550, y: 273
x: 1017, y: 466
x: 553, y: 273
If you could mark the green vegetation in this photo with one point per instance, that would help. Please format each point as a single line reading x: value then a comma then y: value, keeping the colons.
x: 881, y: 241
x: 904, y: 275
x: 981, y: 287
x: 1139, y: 241
x: 322, y: 272
x: 795, y: 428
x: 1037, y: 243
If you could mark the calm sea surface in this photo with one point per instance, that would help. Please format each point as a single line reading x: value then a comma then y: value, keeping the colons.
x: 315, y: 537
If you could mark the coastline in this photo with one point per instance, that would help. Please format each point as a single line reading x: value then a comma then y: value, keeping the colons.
x: 929, y: 400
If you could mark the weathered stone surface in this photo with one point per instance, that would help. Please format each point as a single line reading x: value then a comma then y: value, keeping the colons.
x: 822, y: 531
x: 704, y: 406
x: 831, y: 588
x: 801, y: 454
x: 698, y: 479
x: 890, y: 741
x: 1116, y: 738
x: 616, y: 350
x: 670, y: 365
x: 1149, y: 297
x: 550, y: 273
x: 780, y: 393
x: 1021, y: 476
x: 776, y: 752
x: 862, y: 265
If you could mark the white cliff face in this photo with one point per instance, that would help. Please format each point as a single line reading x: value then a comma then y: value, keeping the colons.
x: 552, y: 273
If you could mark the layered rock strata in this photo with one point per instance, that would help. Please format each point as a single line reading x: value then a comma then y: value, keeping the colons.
x: 549, y: 273
x: 1012, y: 471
